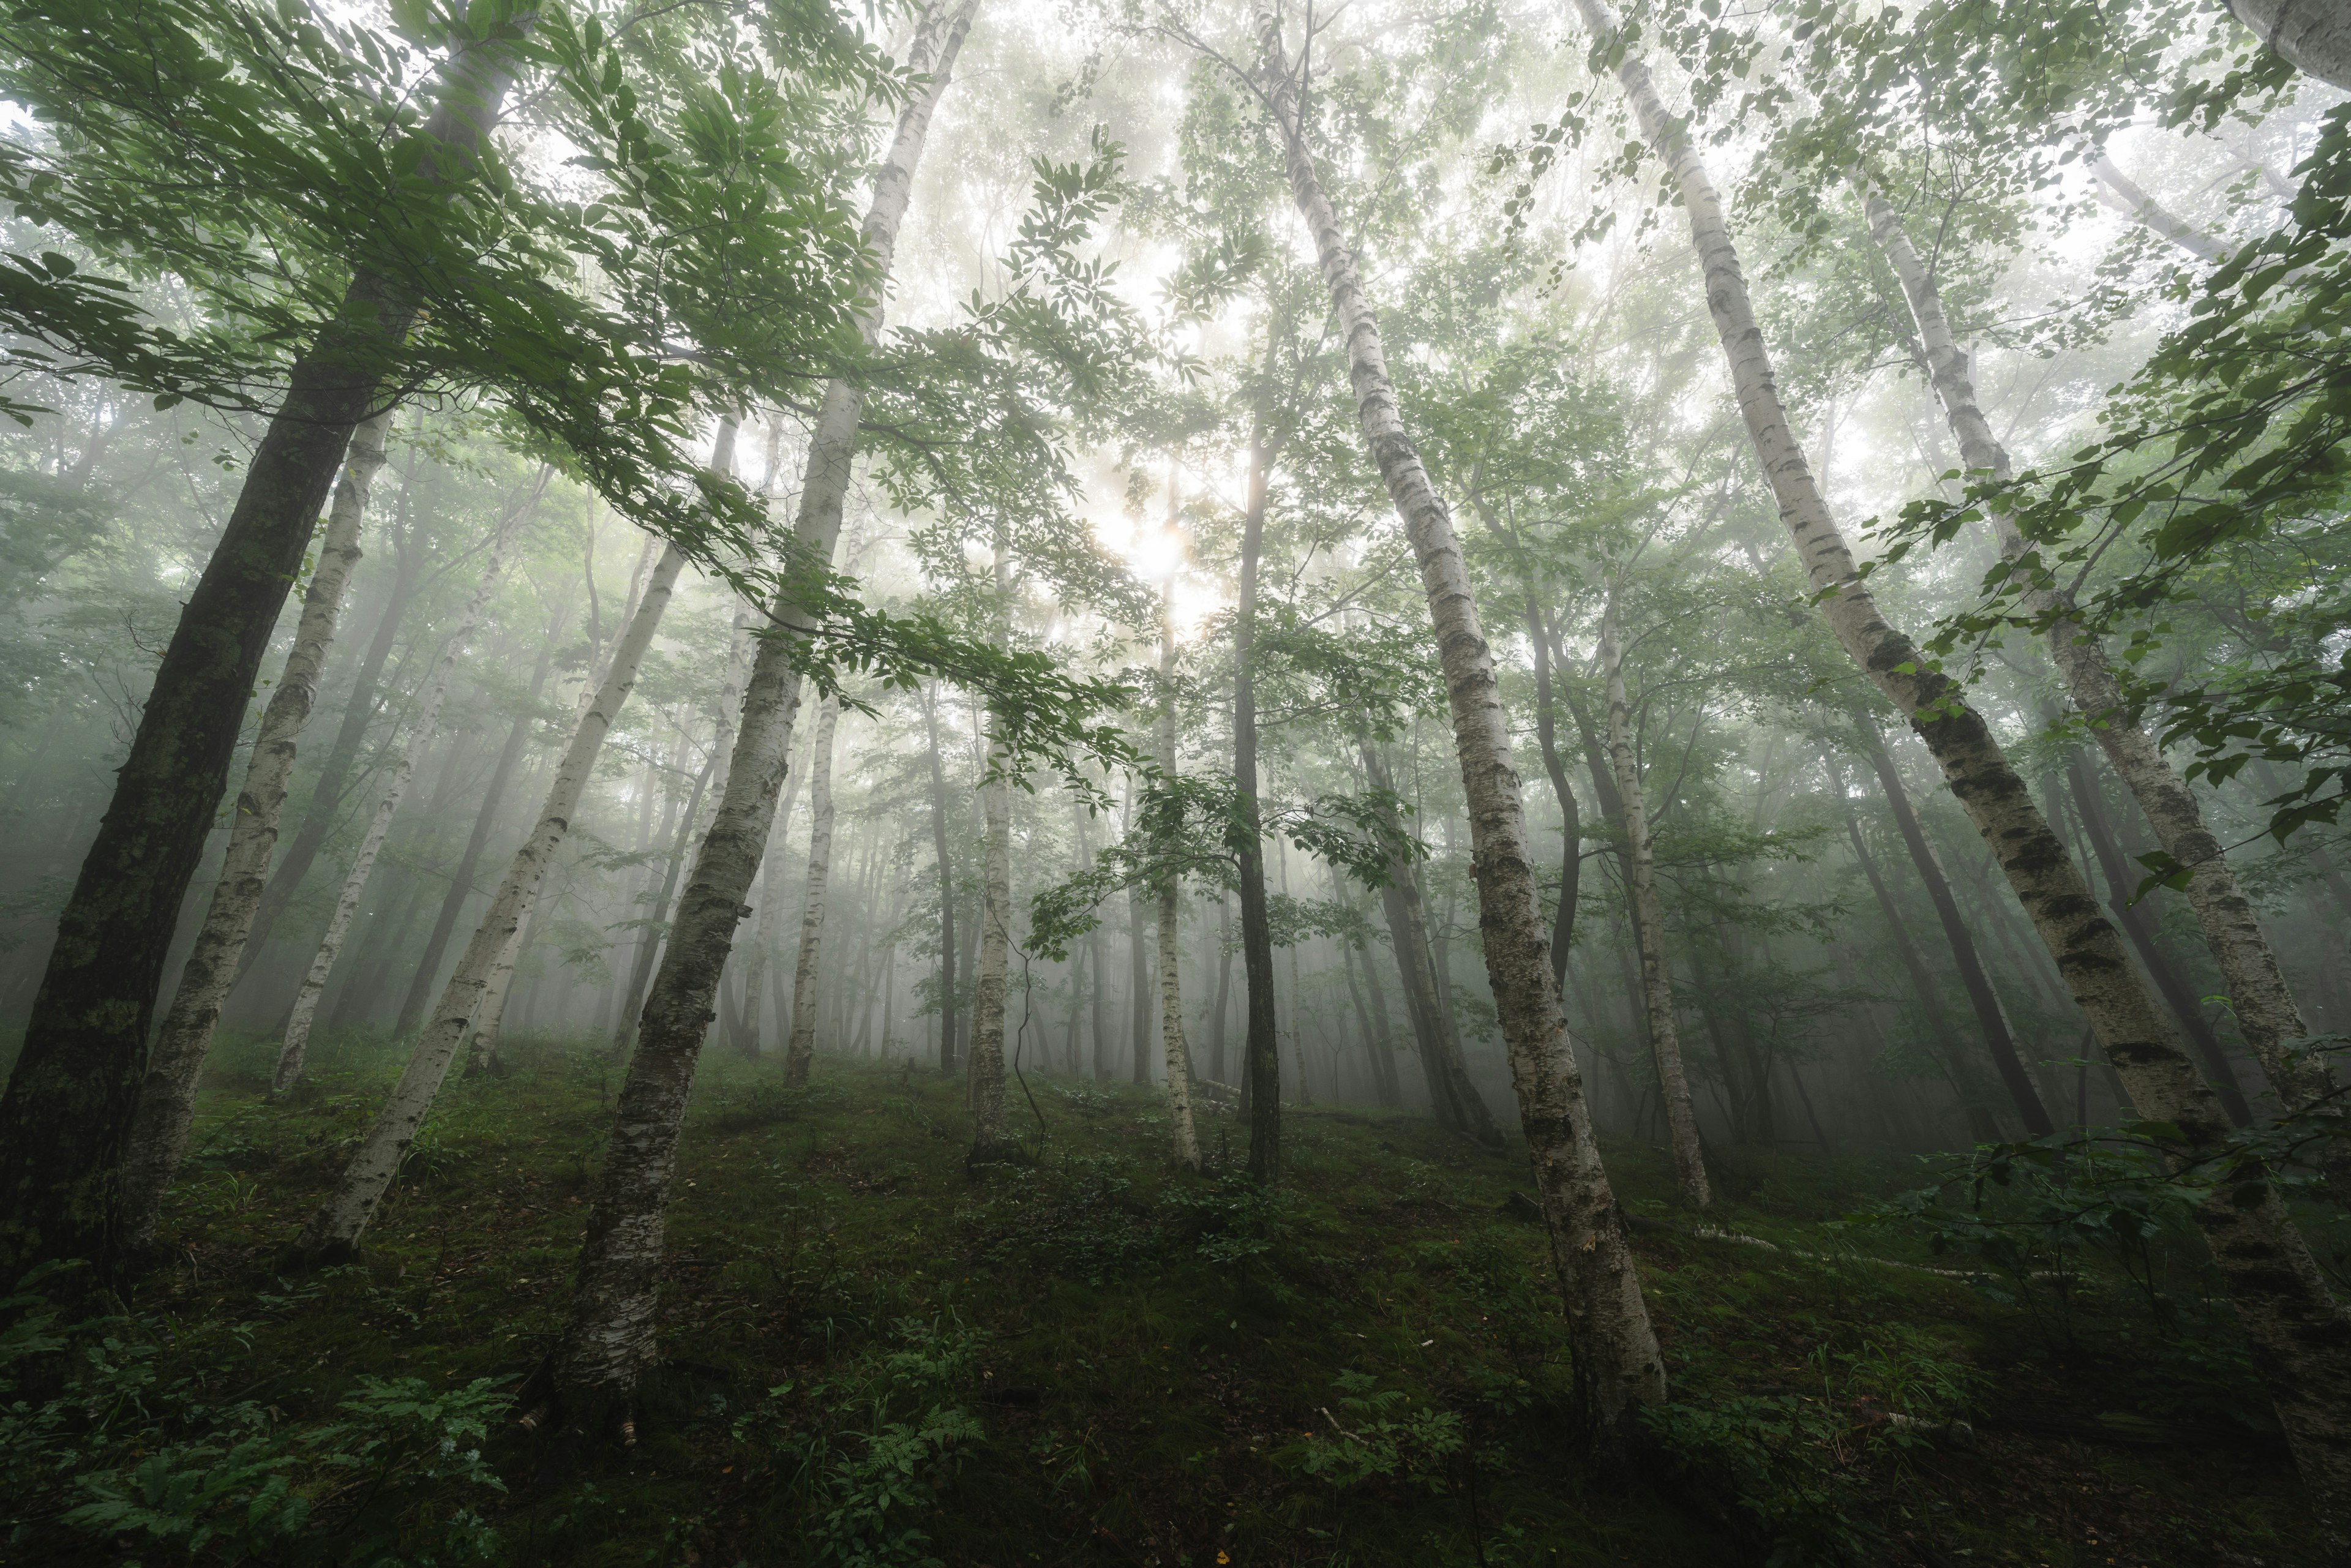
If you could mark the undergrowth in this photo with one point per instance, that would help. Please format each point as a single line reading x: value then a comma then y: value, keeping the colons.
x: 878, y: 1359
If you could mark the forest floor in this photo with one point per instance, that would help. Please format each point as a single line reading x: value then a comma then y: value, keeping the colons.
x: 877, y: 1357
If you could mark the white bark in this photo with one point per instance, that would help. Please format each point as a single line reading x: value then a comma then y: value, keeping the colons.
x: 2258, y: 992
x: 1170, y: 896
x: 334, y: 1231
x: 2313, y: 35
x: 2300, y: 1338
x: 772, y: 903
x: 607, y: 1342
x: 985, y: 1063
x: 167, y: 1099
x: 799, y: 1051
x: 1615, y: 1348
x: 1650, y: 925
x: 423, y: 726
x: 2120, y: 191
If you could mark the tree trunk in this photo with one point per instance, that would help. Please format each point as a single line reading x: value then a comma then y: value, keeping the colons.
x: 1453, y: 1099
x: 333, y: 1233
x: 2312, y: 35
x: 800, y: 1049
x: 2258, y: 992
x: 2132, y: 917
x: 1981, y: 1126
x: 423, y: 725
x: 1224, y: 991
x: 2300, y: 1338
x: 989, y: 1140
x: 1171, y: 893
x: 159, y: 1135
x: 1990, y: 1017
x: 1261, y: 1050
x: 1649, y: 928
x: 657, y: 915
x: 940, y: 849
x: 1571, y: 817
x: 1140, y: 1031
x: 608, y: 1342
x: 772, y: 903
x: 460, y: 885
x: 1614, y: 1350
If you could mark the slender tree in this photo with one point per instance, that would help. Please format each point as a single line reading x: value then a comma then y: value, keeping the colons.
x: 2300, y: 1337
x: 607, y: 1339
x: 1649, y: 926
x: 1616, y: 1360
x: 159, y: 1137
x: 423, y: 725
x: 800, y: 1049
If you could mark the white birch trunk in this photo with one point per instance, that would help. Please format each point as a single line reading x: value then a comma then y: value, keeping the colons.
x: 1615, y: 1348
x: 1650, y: 925
x: 1170, y: 896
x: 167, y: 1099
x: 2313, y: 35
x: 772, y: 904
x: 799, y: 1051
x: 2258, y: 992
x: 2300, y: 1338
x: 423, y: 726
x: 607, y: 1342
x: 334, y: 1231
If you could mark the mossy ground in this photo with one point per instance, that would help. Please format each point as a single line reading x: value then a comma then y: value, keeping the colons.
x: 1150, y: 1365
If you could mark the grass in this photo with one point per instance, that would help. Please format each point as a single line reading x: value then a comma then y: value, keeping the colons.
x: 876, y: 1357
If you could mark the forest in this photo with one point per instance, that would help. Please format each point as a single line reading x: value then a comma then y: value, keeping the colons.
x: 951, y: 783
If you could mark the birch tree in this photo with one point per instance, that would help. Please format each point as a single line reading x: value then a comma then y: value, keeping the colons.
x: 800, y: 1049
x: 2300, y: 1336
x: 159, y: 1136
x: 423, y: 725
x: 1617, y: 1363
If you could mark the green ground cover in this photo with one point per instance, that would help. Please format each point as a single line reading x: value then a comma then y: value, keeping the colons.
x: 876, y: 1357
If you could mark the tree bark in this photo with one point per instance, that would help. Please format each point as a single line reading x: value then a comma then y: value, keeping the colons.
x: 657, y: 917
x: 423, y: 726
x: 325, y: 809
x: 2312, y: 35
x: 2264, y: 1005
x: 1616, y: 1361
x: 1453, y: 1098
x: 2300, y: 1338
x: 2132, y: 917
x: 1649, y: 928
x: 800, y: 1049
x: 608, y: 1342
x: 159, y: 1135
x: 772, y: 903
x: 333, y: 1233
x: 989, y: 1140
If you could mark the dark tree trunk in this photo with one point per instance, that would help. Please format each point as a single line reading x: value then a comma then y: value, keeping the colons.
x: 1261, y: 1063
x: 66, y: 1117
x: 1986, y: 1001
x: 1981, y: 1126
